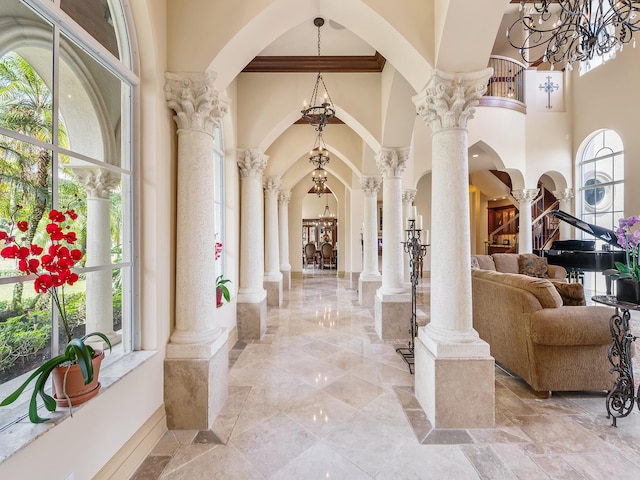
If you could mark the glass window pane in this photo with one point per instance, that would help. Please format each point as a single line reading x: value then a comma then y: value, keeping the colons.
x: 90, y: 104
x: 95, y: 194
x: 95, y: 17
x: 25, y: 327
x: 25, y: 184
x: 26, y: 102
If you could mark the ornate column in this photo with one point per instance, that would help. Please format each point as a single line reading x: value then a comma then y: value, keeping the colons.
x: 393, y: 300
x: 284, y: 196
x: 452, y: 362
x: 272, y: 275
x: 370, y: 278
x: 408, y: 196
x: 252, y: 297
x: 525, y: 198
x: 99, y: 183
x: 196, y: 365
x: 565, y: 196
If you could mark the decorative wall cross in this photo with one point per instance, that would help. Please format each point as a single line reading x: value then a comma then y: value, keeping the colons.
x: 549, y: 87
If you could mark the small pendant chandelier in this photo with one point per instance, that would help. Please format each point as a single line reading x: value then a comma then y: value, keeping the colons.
x: 319, y: 114
x: 319, y: 158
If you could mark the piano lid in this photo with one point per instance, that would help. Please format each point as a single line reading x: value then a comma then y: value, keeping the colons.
x: 602, y: 233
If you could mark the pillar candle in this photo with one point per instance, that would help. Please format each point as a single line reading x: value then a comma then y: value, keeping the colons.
x: 419, y: 222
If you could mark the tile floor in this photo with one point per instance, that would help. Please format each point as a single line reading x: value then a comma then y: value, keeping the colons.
x: 321, y: 397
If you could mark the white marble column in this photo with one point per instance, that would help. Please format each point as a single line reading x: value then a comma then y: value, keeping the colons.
x: 525, y: 198
x: 393, y: 299
x: 99, y: 184
x: 370, y: 278
x: 452, y: 362
x: 196, y: 364
x: 565, y: 196
x: 272, y: 275
x: 252, y: 297
x: 284, y: 196
x: 408, y: 196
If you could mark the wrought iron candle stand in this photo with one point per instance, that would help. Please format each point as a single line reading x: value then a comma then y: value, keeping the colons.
x: 621, y: 398
x: 416, y: 251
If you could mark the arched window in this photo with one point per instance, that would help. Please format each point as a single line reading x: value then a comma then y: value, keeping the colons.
x: 601, y: 179
x: 601, y: 188
x: 65, y: 142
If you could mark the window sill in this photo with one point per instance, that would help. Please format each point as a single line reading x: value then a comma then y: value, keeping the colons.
x: 19, y: 432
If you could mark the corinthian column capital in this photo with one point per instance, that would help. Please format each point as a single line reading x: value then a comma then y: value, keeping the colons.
x: 564, y: 194
x: 284, y: 196
x: 251, y: 163
x: 392, y: 161
x: 449, y: 99
x: 198, y: 105
x: 271, y: 185
x: 408, y: 196
x: 371, y: 186
x: 98, y: 182
x: 526, y: 195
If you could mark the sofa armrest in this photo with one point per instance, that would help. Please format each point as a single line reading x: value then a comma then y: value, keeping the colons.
x: 557, y: 272
x: 588, y: 325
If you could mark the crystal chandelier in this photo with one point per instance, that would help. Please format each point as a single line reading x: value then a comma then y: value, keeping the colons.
x: 566, y: 31
x: 319, y: 114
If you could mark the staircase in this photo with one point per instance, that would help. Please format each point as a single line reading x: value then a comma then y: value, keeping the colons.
x: 544, y: 227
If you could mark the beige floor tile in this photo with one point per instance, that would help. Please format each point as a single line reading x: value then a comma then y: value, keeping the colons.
x: 320, y: 394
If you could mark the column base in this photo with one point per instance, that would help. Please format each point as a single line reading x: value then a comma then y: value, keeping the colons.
x: 273, y: 286
x: 251, y: 318
x: 456, y: 387
x: 354, y: 280
x: 393, y: 316
x: 368, y: 285
x: 196, y: 388
x: 286, y: 277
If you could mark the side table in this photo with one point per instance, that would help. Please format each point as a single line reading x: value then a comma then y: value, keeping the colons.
x: 621, y: 398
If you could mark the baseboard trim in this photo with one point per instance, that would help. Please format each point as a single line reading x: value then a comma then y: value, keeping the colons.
x: 126, y: 460
x: 233, y: 337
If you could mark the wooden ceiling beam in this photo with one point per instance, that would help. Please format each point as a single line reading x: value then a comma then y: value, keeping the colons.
x: 328, y: 63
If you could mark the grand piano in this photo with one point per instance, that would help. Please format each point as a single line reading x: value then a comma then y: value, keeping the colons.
x: 578, y: 256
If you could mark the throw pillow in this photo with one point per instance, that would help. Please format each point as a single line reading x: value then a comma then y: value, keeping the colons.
x: 532, y: 265
x: 572, y: 294
x: 474, y: 264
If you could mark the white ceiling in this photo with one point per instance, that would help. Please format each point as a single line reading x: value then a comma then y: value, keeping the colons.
x: 303, y: 40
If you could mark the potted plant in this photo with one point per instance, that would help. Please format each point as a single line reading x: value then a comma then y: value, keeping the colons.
x: 52, y: 266
x: 627, y: 274
x: 222, y: 291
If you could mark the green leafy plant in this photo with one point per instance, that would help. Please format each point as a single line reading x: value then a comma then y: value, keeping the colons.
x: 222, y: 287
x: 52, y: 267
x: 628, y: 236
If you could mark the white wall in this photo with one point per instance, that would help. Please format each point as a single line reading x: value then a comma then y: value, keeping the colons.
x: 606, y: 97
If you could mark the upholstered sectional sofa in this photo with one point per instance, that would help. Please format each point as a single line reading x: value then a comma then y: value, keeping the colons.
x: 551, y: 346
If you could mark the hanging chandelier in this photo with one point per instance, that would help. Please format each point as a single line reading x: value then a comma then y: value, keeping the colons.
x: 327, y: 219
x: 319, y: 155
x: 319, y: 114
x: 562, y: 32
x: 319, y: 178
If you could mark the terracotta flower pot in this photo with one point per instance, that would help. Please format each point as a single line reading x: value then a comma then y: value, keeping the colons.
x: 628, y: 290
x: 218, y: 296
x: 76, y: 390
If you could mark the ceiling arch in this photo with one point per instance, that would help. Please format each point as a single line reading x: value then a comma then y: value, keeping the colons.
x: 282, y: 15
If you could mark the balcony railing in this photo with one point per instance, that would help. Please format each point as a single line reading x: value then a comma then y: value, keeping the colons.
x: 506, y: 85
